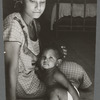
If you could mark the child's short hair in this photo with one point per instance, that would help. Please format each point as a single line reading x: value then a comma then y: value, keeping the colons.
x: 54, y: 47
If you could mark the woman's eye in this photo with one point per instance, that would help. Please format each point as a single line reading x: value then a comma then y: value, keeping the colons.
x: 32, y: 0
x: 43, y: 2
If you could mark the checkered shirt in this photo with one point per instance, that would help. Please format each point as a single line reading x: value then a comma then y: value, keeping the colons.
x: 76, y: 74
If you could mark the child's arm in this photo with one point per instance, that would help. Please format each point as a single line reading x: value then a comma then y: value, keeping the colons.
x: 60, y: 78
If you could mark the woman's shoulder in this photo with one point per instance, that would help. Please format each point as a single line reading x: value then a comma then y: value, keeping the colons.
x: 69, y: 65
x: 12, y: 15
x: 10, y: 21
x: 12, y: 31
x: 11, y: 18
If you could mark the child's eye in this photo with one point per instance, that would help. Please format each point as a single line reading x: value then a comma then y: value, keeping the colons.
x: 51, y: 58
x: 43, y: 57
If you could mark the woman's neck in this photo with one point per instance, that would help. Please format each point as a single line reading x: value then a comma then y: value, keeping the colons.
x: 26, y: 18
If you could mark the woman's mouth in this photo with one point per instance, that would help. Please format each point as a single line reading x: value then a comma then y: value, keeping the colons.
x: 37, y: 12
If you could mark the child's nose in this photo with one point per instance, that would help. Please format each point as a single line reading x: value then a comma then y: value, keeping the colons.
x: 46, y: 60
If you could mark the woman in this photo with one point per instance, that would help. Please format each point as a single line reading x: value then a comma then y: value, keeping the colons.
x: 21, y: 45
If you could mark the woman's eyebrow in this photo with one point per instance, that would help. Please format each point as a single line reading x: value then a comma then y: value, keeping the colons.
x: 43, y: 1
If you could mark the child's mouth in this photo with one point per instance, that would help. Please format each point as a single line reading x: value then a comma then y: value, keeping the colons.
x: 45, y: 64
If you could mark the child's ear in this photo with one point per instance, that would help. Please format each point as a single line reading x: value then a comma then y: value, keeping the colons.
x: 59, y: 62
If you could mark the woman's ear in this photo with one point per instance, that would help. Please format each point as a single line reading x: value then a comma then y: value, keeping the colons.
x: 59, y: 62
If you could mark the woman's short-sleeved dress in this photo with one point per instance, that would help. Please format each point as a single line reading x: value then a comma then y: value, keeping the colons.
x: 15, y: 30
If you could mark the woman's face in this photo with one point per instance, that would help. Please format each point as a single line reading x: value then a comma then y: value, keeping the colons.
x: 34, y: 8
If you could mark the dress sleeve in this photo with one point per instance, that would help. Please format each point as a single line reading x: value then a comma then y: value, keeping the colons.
x: 86, y: 82
x: 76, y: 74
x: 12, y: 32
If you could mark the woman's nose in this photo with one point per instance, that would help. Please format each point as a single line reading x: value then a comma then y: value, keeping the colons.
x: 38, y: 6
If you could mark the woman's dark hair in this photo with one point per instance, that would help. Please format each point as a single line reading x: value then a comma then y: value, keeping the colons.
x: 18, y: 6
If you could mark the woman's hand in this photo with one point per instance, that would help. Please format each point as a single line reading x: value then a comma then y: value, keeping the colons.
x: 64, y: 51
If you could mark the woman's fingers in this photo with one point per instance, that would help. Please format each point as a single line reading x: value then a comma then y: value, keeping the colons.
x: 64, y: 51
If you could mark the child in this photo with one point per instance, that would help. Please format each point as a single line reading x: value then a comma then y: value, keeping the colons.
x: 57, y: 84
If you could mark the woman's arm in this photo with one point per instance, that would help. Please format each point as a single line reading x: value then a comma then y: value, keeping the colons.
x: 11, y: 68
x: 60, y: 78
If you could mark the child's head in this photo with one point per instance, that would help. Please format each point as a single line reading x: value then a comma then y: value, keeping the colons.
x: 50, y: 57
x: 33, y: 8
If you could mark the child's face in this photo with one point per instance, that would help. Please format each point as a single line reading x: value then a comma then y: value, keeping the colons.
x: 48, y: 59
x: 34, y: 8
